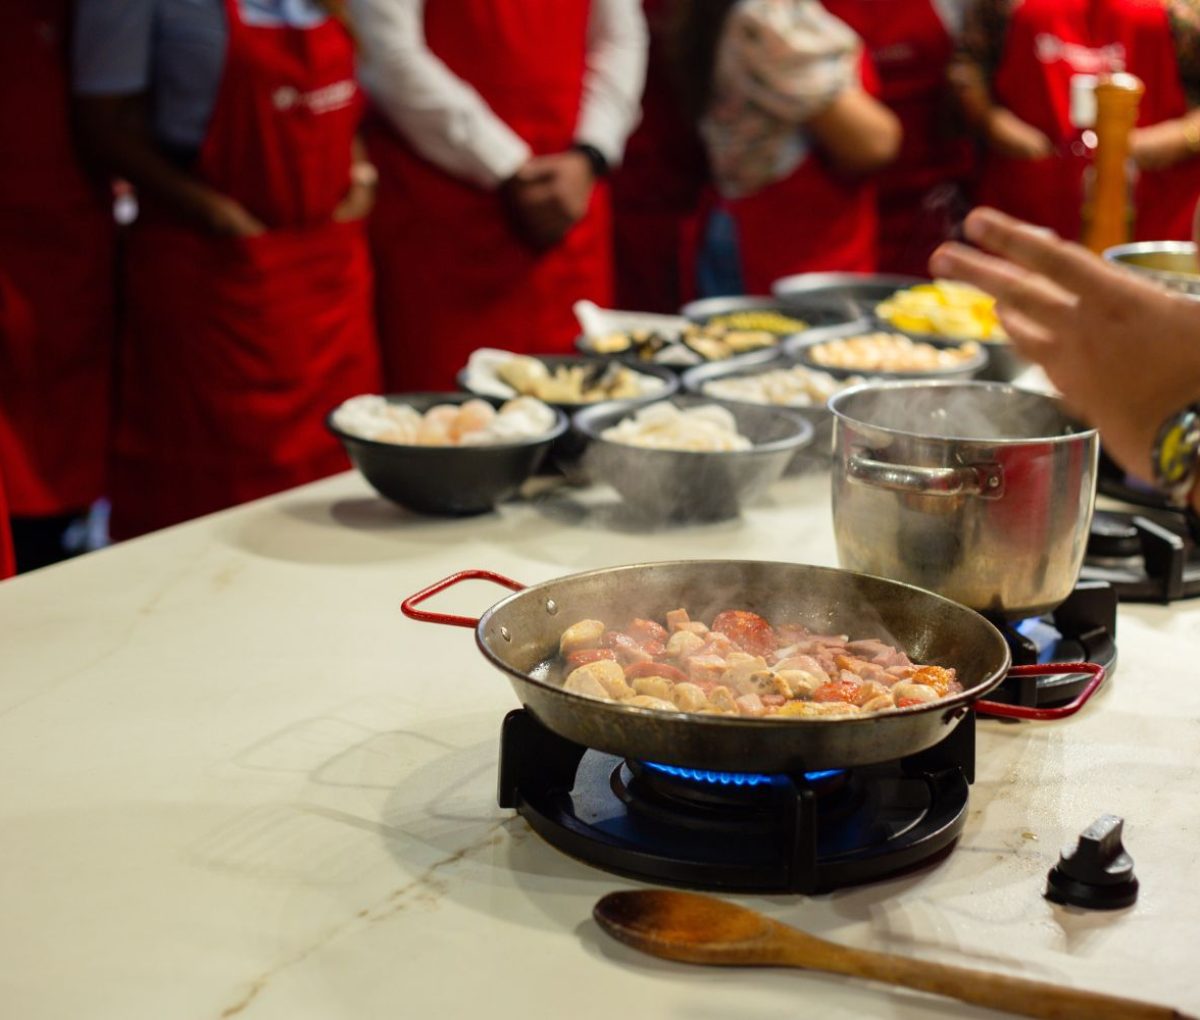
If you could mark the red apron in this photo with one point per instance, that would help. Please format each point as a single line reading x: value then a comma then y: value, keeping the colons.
x: 658, y: 186
x: 1050, y: 40
x: 235, y: 349
x: 56, y: 278
x: 813, y: 220
x: 452, y: 274
x: 921, y: 194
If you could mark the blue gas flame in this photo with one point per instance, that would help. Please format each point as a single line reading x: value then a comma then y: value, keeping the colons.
x: 749, y: 779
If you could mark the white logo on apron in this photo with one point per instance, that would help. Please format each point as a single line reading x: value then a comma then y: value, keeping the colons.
x: 1050, y: 49
x: 326, y: 99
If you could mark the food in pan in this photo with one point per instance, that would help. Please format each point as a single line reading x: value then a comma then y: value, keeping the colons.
x: 473, y: 423
x: 704, y: 429
x: 943, y: 308
x: 889, y: 352
x: 785, y: 387
x: 763, y: 319
x: 742, y: 665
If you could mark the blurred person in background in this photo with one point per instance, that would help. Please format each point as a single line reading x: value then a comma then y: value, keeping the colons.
x: 1078, y: 317
x: 247, y: 283
x: 783, y: 93
x: 923, y: 196
x: 657, y: 189
x: 1013, y: 77
x: 498, y: 122
x: 56, y: 293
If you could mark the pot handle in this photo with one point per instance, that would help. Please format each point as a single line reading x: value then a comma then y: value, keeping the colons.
x: 986, y: 480
x: 1001, y: 710
x: 409, y: 606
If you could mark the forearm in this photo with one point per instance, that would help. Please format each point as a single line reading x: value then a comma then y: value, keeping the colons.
x: 857, y: 133
x: 970, y: 91
x: 113, y: 131
x: 440, y: 115
x: 615, y: 76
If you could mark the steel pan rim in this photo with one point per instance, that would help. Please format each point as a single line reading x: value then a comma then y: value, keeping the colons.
x: 946, y: 706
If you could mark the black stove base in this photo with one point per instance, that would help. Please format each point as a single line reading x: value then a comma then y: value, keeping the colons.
x: 785, y: 834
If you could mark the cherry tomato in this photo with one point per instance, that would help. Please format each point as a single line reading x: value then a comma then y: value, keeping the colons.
x: 646, y: 631
x: 586, y: 655
x: 839, y: 690
x: 636, y: 669
x: 748, y: 631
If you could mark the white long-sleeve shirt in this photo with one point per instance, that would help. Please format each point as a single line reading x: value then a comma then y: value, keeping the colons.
x: 450, y: 123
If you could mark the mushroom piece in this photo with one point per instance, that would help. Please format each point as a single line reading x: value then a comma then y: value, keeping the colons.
x: 655, y: 687
x: 801, y: 683
x: 584, y: 634
x: 907, y: 690
x: 688, y: 697
x: 683, y: 643
x: 645, y: 701
x: 605, y: 674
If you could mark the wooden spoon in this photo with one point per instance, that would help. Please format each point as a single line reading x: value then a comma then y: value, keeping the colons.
x: 701, y: 929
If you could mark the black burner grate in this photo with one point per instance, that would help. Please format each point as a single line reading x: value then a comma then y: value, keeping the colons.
x: 784, y: 834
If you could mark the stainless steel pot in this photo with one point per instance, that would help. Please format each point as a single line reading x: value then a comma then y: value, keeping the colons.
x: 980, y: 492
x: 519, y: 636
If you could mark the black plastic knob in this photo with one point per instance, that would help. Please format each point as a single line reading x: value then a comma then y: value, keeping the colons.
x: 1097, y: 873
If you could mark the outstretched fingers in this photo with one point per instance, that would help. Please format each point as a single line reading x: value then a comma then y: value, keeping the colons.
x: 1039, y: 305
x: 1034, y: 248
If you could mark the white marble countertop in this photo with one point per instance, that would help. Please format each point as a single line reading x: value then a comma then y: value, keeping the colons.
x: 238, y: 783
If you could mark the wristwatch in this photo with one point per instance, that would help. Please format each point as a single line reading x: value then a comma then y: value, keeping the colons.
x: 596, y: 159
x: 1176, y: 455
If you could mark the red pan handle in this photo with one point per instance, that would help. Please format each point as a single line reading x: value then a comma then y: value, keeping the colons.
x: 996, y: 708
x: 409, y: 605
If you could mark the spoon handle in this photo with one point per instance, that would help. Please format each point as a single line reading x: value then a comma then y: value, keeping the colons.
x: 996, y: 991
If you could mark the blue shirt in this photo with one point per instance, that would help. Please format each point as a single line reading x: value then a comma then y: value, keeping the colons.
x: 173, y: 50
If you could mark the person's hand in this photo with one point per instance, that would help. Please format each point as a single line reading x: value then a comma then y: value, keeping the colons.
x: 1010, y: 136
x: 549, y: 195
x: 355, y: 204
x: 1123, y: 352
x: 1158, y: 146
x: 222, y: 215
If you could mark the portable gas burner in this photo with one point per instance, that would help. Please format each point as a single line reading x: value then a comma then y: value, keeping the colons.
x: 803, y: 833
x: 1148, y: 553
x: 1059, y: 659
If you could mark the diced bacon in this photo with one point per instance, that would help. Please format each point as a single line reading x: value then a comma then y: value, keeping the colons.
x: 790, y: 633
x: 717, y: 644
x: 626, y: 648
x: 702, y: 668
x: 806, y: 663
x: 869, y: 648
x: 677, y: 619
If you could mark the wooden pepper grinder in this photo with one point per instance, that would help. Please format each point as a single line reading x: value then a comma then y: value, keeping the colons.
x: 1107, y: 213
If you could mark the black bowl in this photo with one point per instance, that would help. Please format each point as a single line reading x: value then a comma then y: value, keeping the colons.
x: 683, y: 485
x: 816, y: 314
x: 800, y: 347
x: 568, y: 448
x: 848, y: 295
x: 446, y: 480
x: 818, y: 453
